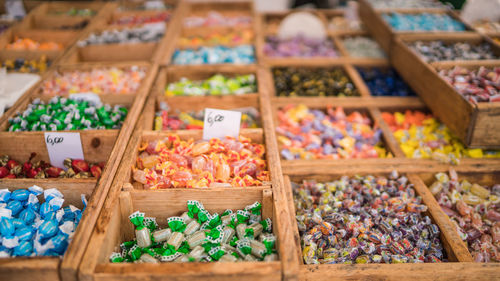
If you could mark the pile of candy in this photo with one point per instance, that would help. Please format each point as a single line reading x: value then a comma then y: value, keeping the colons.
x: 341, y: 23
x: 75, y: 168
x: 407, y: 4
x: 363, y: 47
x: 478, y: 85
x: 30, y: 228
x: 423, y: 22
x: 422, y: 136
x: 487, y: 26
x: 432, y: 51
x: 217, y: 85
x: 193, y: 120
x: 110, y: 80
x: 198, y: 236
x: 27, y: 66
x: 243, y: 54
x: 299, y: 46
x: 67, y: 114
x: 313, y: 134
x: 231, y: 38
x: 475, y: 212
x: 76, y: 12
x: 313, y: 82
x: 213, y: 19
x: 32, y: 45
x: 142, y: 19
x: 385, y: 82
x: 173, y: 163
x: 143, y: 34
x: 365, y: 219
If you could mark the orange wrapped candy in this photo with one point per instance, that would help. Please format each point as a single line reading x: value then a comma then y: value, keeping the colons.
x: 30, y: 44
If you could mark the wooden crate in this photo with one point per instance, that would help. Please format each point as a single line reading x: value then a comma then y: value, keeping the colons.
x: 456, y: 251
x: 200, y: 8
x: 45, y: 268
x: 476, y: 125
x: 383, y: 32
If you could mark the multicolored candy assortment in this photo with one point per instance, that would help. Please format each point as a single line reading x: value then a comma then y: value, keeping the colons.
x: 365, y: 219
x: 75, y: 168
x: 385, y: 82
x: 27, y: 66
x: 176, y: 163
x: 313, y: 82
x: 363, y: 47
x: 477, y: 85
x: 432, y: 51
x: 243, y: 54
x: 299, y: 46
x: 314, y: 134
x: 193, y: 120
x: 29, y: 228
x: 423, y: 22
x: 422, y: 136
x: 217, y: 85
x: 230, y: 38
x: 214, y: 19
x: 147, y: 33
x: 32, y: 45
x: 68, y: 114
x: 341, y: 23
x: 198, y: 236
x: 475, y: 212
x: 141, y: 19
x: 110, y: 80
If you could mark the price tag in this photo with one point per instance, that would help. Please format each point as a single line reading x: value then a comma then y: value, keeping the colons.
x: 221, y: 123
x: 63, y: 145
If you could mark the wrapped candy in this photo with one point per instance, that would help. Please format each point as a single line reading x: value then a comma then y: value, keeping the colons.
x: 242, y: 54
x: 75, y: 168
x: 363, y: 47
x: 98, y: 80
x: 432, y: 51
x: 364, y: 219
x: 141, y: 19
x: 209, y: 244
x: 165, y: 120
x: 474, y: 210
x: 152, y: 32
x: 217, y: 85
x: 422, y: 136
x: 30, y: 44
x: 299, y: 46
x: 423, y: 22
x: 27, y: 66
x: 230, y: 38
x: 68, y: 114
x: 214, y: 18
x: 29, y: 228
x: 313, y: 134
x: 174, y: 163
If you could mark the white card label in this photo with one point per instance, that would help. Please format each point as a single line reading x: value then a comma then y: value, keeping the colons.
x: 221, y: 123
x: 63, y: 145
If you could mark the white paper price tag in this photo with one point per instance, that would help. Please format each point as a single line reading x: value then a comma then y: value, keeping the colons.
x: 63, y: 145
x: 221, y: 123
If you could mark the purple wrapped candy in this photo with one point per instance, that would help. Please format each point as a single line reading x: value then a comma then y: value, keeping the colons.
x: 299, y: 46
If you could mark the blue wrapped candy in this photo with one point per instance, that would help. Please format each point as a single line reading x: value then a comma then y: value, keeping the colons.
x: 243, y: 54
x: 31, y: 228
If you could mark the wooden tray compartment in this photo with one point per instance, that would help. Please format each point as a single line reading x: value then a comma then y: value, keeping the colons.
x: 383, y: 32
x: 455, y: 250
x: 348, y: 70
x: 116, y: 228
x: 475, y: 125
x: 63, y: 37
x: 117, y: 15
x: 485, y: 179
x: 53, y: 8
x: 256, y: 135
x: 45, y: 268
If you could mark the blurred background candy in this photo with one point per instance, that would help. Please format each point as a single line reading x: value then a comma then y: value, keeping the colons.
x: 216, y: 85
x: 363, y: 47
x: 299, y: 46
x: 385, y: 82
x: 243, y: 54
x: 477, y: 85
x: 27, y: 66
x: 384, y: 4
x: 143, y: 34
x: 141, y: 19
x: 30, y: 44
x: 433, y: 51
x: 313, y: 82
x: 423, y: 22
x: 214, y: 18
x: 231, y: 38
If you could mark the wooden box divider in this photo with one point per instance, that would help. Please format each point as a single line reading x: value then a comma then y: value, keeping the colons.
x: 475, y: 125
